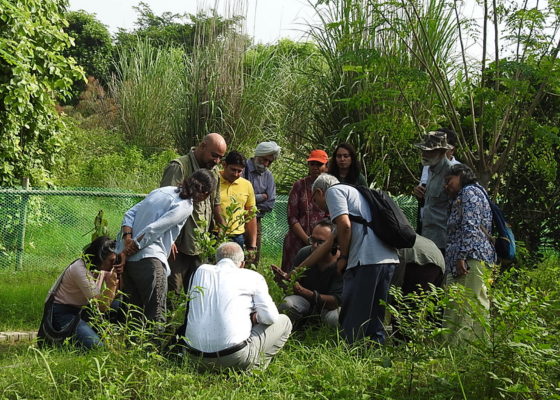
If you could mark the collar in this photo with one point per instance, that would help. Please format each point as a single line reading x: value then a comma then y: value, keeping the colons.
x: 251, y: 166
x: 226, y: 263
x: 223, y: 180
x: 193, y: 159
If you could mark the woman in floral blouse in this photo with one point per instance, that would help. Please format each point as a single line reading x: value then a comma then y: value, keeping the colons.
x: 303, y: 214
x: 469, y: 250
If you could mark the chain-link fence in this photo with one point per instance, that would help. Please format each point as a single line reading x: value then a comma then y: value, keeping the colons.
x: 46, y: 228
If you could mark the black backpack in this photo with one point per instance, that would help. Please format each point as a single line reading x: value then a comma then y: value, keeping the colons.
x: 388, y: 221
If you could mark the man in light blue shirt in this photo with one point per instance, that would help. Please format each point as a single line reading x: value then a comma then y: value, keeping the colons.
x: 148, y: 232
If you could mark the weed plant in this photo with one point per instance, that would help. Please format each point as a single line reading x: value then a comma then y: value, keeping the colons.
x: 515, y: 357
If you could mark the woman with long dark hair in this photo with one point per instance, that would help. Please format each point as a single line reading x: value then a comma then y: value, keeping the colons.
x: 344, y: 165
x: 91, y: 276
x: 147, y: 237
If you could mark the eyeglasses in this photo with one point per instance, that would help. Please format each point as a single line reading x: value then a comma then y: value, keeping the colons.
x: 311, y: 240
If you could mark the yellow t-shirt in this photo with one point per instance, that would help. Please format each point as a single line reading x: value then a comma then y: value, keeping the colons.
x: 242, y: 191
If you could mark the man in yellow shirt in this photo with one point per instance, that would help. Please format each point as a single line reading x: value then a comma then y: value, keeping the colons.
x: 233, y: 186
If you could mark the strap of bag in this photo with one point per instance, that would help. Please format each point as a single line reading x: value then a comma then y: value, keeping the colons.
x: 57, y: 283
x: 490, y: 237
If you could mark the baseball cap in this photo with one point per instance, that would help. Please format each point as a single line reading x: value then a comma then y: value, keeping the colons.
x: 318, y: 155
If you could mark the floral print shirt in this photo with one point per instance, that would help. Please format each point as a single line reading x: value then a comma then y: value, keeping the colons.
x: 465, y: 237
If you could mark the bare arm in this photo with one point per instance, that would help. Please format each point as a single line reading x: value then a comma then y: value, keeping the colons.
x: 106, y: 297
x: 328, y: 300
x: 251, y: 229
x: 320, y: 253
x: 217, y: 214
x: 344, y: 230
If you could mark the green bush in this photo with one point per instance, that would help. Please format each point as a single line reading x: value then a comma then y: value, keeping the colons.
x: 101, y: 158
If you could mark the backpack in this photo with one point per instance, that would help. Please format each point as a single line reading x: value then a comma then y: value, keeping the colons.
x: 505, y: 242
x: 388, y: 221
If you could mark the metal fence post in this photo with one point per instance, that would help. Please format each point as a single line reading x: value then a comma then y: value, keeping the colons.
x: 22, y: 223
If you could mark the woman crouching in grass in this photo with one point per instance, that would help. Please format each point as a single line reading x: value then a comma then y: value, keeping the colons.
x: 91, y: 276
x: 148, y: 233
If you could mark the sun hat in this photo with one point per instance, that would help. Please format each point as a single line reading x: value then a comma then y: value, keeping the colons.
x: 434, y: 140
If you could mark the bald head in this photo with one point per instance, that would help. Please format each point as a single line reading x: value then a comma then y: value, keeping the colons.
x: 210, y: 151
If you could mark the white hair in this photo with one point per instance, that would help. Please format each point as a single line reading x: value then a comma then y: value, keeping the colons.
x: 232, y: 251
x: 324, y: 181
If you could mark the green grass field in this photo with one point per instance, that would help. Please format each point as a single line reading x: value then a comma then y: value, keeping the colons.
x: 517, y: 357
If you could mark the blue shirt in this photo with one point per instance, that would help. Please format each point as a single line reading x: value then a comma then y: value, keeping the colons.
x: 262, y: 183
x: 158, y: 219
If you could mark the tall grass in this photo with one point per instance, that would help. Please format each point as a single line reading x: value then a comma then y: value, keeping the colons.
x: 368, y: 88
x: 145, y: 90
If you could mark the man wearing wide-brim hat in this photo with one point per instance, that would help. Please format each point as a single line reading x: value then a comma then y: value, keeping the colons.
x: 434, y: 222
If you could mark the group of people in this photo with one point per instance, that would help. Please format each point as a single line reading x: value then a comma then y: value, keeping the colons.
x: 343, y: 269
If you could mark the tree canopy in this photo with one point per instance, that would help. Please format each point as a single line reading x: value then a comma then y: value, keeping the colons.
x: 92, y: 48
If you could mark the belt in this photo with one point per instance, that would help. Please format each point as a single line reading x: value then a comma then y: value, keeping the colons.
x: 221, y: 353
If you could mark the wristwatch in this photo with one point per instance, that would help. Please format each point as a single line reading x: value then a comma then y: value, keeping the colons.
x: 342, y: 258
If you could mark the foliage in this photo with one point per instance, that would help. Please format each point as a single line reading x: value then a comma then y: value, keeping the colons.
x: 175, y: 30
x: 369, y: 90
x: 101, y: 158
x: 233, y: 217
x: 100, y: 226
x: 517, y: 335
x: 145, y: 93
x: 515, y: 358
x: 91, y: 50
x: 33, y: 74
x: 416, y: 328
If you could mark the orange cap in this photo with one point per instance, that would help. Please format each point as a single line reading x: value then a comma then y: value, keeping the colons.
x: 318, y: 155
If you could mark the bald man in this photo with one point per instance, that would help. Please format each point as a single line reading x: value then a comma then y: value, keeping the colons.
x: 186, y: 259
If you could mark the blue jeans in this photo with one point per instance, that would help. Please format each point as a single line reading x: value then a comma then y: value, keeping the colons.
x: 239, y: 239
x: 85, y: 335
x: 362, y: 313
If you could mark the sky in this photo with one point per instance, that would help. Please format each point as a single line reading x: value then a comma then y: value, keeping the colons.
x: 267, y: 20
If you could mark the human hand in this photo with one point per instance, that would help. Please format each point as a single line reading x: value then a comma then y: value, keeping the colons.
x: 419, y: 191
x: 251, y: 254
x: 173, y: 254
x: 461, y: 268
x: 265, y: 197
x: 301, y: 291
x: 130, y: 247
x: 111, y: 278
x: 120, y: 261
x: 279, y: 276
x: 278, y: 272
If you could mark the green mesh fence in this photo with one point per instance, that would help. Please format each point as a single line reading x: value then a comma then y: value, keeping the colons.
x: 46, y: 228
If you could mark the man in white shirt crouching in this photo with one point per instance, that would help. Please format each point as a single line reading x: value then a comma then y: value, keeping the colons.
x: 231, y: 319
